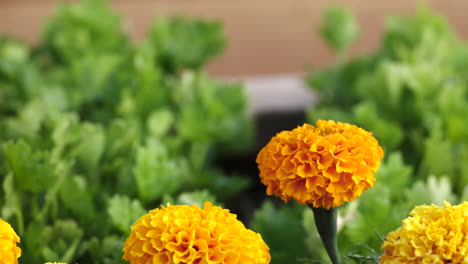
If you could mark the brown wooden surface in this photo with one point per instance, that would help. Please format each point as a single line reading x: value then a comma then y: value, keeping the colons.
x: 265, y: 36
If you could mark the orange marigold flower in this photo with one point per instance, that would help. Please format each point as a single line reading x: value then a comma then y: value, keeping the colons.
x: 189, y: 234
x: 9, y: 252
x: 432, y: 234
x: 323, y: 166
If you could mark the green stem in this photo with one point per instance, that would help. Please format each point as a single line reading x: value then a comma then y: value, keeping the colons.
x: 325, y: 221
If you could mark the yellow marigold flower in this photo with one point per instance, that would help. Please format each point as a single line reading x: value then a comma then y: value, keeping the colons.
x: 323, y: 166
x: 432, y: 234
x: 189, y: 234
x: 9, y: 252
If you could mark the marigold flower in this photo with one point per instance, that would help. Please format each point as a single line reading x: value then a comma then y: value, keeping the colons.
x: 189, y: 234
x: 432, y: 234
x: 323, y: 166
x: 9, y: 252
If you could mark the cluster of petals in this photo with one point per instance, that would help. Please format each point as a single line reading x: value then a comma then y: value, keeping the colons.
x: 9, y: 251
x: 431, y: 234
x: 189, y: 234
x: 323, y: 166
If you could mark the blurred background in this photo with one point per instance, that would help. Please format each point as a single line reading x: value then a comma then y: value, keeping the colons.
x: 270, y: 42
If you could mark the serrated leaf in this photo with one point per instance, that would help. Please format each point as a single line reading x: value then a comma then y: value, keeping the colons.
x: 394, y: 174
x: 82, y: 142
x: 124, y: 212
x: 338, y: 28
x: 156, y: 173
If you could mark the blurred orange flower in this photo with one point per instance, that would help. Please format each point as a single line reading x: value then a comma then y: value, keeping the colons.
x: 9, y: 251
x: 189, y: 234
x: 323, y: 166
x: 432, y: 234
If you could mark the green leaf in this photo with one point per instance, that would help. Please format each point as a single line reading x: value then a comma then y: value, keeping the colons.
x: 362, y: 254
x: 338, y: 28
x: 73, y: 189
x: 388, y: 133
x: 182, y: 43
x: 124, y: 212
x: 282, y: 231
x: 32, y: 247
x: 404, y: 34
x: 211, y: 111
x: 83, y: 28
x: 32, y: 170
x: 371, y: 217
x: 56, y: 242
x: 438, y: 156
x: 189, y: 198
x: 12, y: 205
x: 107, y: 250
x: 13, y: 54
x: 160, y: 122
x: 157, y: 173
x: 80, y: 141
x: 28, y: 121
x: 435, y: 190
x: 122, y: 137
x: 222, y: 186
x: 394, y: 174
x: 199, y: 155
x: 61, y: 241
x: 463, y: 180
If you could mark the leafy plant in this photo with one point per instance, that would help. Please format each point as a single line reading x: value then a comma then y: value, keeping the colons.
x: 96, y: 130
x: 282, y: 230
x: 412, y: 94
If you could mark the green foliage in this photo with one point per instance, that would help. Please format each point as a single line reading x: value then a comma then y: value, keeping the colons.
x: 95, y: 131
x: 124, y: 212
x: 155, y: 168
x: 84, y: 29
x: 412, y: 93
x: 104, y: 249
x: 195, y: 197
x: 282, y: 231
x: 181, y: 43
x: 57, y: 242
x: 32, y: 170
x: 362, y: 254
x: 17, y: 75
x: 338, y: 29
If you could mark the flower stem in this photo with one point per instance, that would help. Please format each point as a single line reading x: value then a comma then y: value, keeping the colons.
x: 325, y: 221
